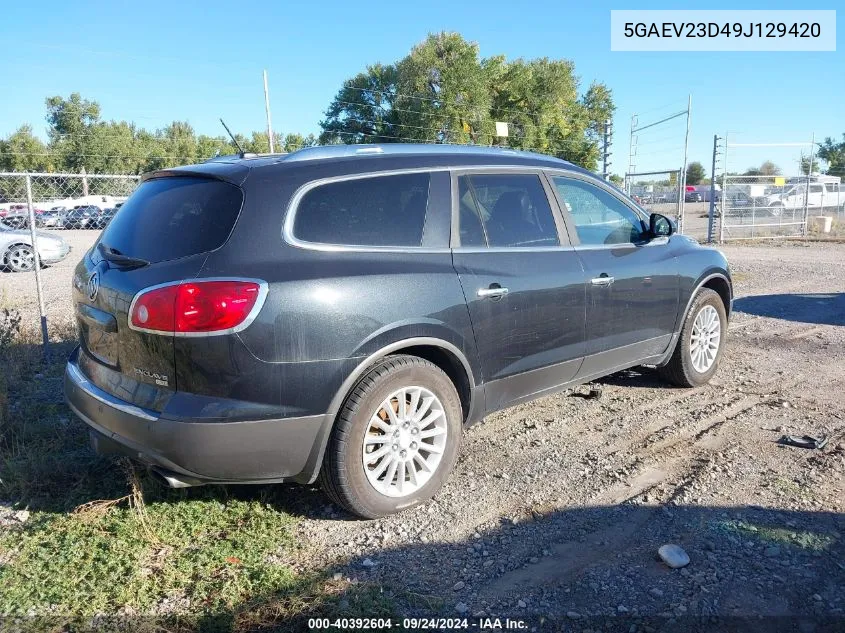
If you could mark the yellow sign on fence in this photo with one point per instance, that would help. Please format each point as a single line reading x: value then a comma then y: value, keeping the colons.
x: 780, y: 181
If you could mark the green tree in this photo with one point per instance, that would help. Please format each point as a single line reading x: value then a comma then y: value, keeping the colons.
x: 23, y: 151
x: 833, y: 154
x: 806, y: 168
x: 695, y: 173
x: 70, y: 121
x: 767, y: 168
x: 443, y: 92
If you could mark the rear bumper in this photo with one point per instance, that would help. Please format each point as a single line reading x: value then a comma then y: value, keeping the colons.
x: 203, y: 452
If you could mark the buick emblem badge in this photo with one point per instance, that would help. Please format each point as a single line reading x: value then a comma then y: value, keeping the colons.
x: 93, y: 286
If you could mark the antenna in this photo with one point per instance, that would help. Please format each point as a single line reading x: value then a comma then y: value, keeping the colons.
x: 234, y: 140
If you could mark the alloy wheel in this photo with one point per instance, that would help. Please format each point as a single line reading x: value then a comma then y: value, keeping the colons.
x: 404, y: 442
x: 704, y: 339
x: 21, y: 258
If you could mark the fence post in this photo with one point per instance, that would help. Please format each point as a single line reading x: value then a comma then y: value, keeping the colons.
x: 724, y: 194
x: 680, y: 204
x: 712, y: 212
x: 37, y: 259
x: 807, y: 192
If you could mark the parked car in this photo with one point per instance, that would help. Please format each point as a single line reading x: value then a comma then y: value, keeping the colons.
x: 791, y: 197
x: 17, y: 253
x: 105, y: 216
x: 83, y: 217
x: 17, y: 216
x: 343, y: 312
x: 54, y: 218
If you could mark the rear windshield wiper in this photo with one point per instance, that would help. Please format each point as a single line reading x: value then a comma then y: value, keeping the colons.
x: 116, y: 257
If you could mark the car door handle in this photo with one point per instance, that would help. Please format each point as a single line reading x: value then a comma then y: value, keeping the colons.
x: 492, y: 292
x: 601, y: 281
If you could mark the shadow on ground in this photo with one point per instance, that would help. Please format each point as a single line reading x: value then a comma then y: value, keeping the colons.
x: 821, y: 309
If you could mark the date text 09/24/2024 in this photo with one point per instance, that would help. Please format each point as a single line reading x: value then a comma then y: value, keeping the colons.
x: 419, y: 624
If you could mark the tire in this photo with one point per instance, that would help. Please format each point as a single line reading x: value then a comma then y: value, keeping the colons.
x: 20, y: 258
x: 344, y: 477
x: 681, y: 369
x: 776, y: 210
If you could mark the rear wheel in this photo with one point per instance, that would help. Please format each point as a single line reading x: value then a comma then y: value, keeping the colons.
x: 699, y: 348
x: 395, y: 440
x: 20, y: 258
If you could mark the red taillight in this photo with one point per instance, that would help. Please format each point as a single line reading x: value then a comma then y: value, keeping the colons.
x: 195, y: 306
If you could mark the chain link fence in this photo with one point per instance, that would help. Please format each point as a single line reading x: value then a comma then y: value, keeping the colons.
x: 658, y: 192
x: 777, y: 204
x: 45, y: 217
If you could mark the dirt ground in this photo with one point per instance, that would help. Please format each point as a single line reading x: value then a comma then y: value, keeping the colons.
x: 557, y: 508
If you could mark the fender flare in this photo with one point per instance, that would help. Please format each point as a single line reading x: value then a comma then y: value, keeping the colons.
x: 683, y: 315
x: 315, y: 459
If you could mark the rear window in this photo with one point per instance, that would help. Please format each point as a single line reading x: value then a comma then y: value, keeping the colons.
x: 376, y: 211
x: 168, y: 218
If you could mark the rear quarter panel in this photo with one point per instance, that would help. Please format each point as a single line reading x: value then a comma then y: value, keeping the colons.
x: 326, y: 311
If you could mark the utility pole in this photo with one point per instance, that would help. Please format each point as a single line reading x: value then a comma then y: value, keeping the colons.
x: 632, y: 152
x: 608, y: 135
x: 269, y: 122
x: 712, y: 212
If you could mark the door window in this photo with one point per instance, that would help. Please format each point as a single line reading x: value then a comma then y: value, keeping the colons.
x: 505, y: 210
x: 598, y: 216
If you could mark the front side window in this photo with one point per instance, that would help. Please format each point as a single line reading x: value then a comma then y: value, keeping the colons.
x: 505, y: 210
x: 599, y: 217
x: 372, y: 211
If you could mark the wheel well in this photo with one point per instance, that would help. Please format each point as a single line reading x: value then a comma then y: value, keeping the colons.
x: 721, y: 286
x: 450, y: 364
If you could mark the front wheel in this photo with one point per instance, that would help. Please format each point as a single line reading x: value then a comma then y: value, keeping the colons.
x: 701, y: 343
x: 396, y: 439
x: 20, y: 258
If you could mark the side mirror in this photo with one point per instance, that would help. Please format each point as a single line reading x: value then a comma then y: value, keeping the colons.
x: 660, y: 225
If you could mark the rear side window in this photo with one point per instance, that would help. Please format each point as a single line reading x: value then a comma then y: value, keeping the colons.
x: 375, y: 211
x: 505, y: 210
x: 168, y: 218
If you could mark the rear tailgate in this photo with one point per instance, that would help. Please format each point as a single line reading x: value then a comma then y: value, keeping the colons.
x: 162, y: 234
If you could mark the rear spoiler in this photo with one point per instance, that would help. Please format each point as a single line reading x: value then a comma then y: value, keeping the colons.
x: 234, y: 173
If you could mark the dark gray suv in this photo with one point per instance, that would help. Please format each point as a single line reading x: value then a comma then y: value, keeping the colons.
x: 343, y: 312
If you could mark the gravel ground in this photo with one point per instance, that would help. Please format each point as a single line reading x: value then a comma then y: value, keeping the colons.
x: 557, y: 508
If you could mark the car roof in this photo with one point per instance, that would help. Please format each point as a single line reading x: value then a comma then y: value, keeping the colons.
x: 367, y: 158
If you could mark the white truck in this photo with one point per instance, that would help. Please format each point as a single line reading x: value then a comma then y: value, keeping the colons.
x: 825, y: 192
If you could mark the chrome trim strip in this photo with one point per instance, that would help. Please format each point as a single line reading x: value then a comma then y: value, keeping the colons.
x: 98, y: 394
x: 263, y: 291
x: 290, y: 211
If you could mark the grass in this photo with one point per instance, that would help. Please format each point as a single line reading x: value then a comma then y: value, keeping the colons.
x: 802, y: 539
x: 104, y: 538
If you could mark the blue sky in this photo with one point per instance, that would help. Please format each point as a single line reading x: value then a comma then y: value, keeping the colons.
x: 155, y: 62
